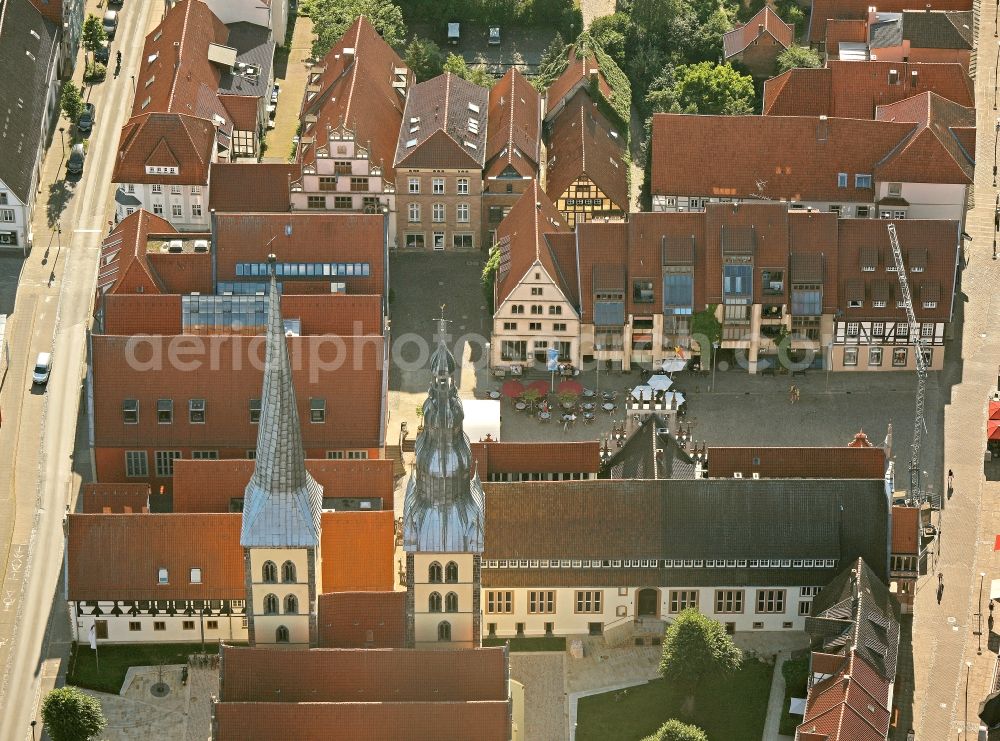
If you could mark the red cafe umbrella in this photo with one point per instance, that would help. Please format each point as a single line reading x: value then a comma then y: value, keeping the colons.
x: 570, y: 387
x: 512, y: 389
x: 993, y: 430
x: 994, y: 410
x: 542, y: 387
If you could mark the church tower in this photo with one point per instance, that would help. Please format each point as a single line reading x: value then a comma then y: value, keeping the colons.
x: 443, y: 521
x: 282, y: 508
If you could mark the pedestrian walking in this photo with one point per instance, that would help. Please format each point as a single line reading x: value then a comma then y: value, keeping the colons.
x: 791, y: 394
x: 796, y: 395
x: 951, y: 478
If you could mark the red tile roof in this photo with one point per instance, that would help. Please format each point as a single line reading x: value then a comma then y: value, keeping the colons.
x: 359, y: 675
x: 797, y: 463
x: 765, y: 21
x: 260, y: 186
x: 187, y: 272
x: 444, y: 125
x: 174, y: 63
x: 574, y: 77
x: 114, y: 498
x: 227, y: 372
x: 823, y: 10
x: 838, y: 31
x: 384, y: 721
x: 141, y: 313
x: 513, y: 137
x: 362, y: 620
x: 937, y: 146
x: 50, y: 9
x: 243, y: 110
x: 357, y: 92
x: 316, y: 237
x: 852, y: 705
x: 856, y: 89
x: 521, y: 241
x: 581, y: 143
x: 165, y: 139
x: 123, y: 266
x: 734, y: 156
x: 211, y: 485
x: 117, y: 557
x: 560, y: 457
x: 905, y: 530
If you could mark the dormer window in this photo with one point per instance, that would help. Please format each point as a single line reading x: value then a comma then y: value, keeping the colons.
x: 161, y: 170
x: 162, y: 577
x: 862, y: 181
x: 842, y: 180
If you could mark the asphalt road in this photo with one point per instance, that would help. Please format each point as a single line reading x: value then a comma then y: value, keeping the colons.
x: 39, y: 482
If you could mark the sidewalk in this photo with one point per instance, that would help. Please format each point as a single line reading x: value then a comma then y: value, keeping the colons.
x: 776, y: 702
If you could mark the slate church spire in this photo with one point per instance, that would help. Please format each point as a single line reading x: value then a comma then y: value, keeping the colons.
x: 443, y: 508
x: 283, y: 504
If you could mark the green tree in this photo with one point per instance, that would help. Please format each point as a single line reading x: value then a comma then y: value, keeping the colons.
x: 705, y: 88
x: 331, y: 18
x: 674, y: 730
x: 797, y: 56
x: 489, y: 276
x: 424, y: 57
x: 71, y: 715
x: 695, y: 647
x: 71, y: 101
x: 93, y: 35
x: 476, y: 75
x: 611, y: 32
x: 552, y: 64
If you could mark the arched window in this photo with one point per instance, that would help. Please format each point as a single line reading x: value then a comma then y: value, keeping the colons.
x: 434, y: 572
x: 291, y: 604
x: 451, y: 602
x: 451, y: 572
x: 434, y: 602
x: 287, y: 571
x: 270, y: 572
x: 444, y: 631
x: 281, y: 634
x: 271, y: 604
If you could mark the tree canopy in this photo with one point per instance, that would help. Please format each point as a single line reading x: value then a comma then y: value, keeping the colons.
x: 797, y: 56
x: 476, y: 75
x: 694, y: 647
x: 611, y: 32
x: 93, y: 35
x: 71, y: 101
x: 331, y: 18
x: 71, y: 715
x: 424, y: 57
x: 675, y: 730
x: 706, y: 88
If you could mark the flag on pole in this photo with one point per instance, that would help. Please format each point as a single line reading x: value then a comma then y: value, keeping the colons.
x: 92, y: 635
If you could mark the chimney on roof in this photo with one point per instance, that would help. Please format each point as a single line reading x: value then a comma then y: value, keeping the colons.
x: 177, y: 54
x: 760, y: 29
x: 822, y: 129
x: 871, y: 15
x: 593, y: 74
x: 348, y: 54
x: 893, y: 76
x: 928, y: 6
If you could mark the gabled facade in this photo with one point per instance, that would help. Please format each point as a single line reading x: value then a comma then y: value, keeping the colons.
x: 904, y: 559
x: 513, y: 148
x: 922, y: 35
x: 272, y: 14
x: 825, y: 11
x: 533, y: 305
x: 581, y: 73
x: 587, y: 173
x: 29, y: 54
x: 350, y: 118
x: 915, y: 160
x: 757, y: 44
x: 202, y: 92
x: 439, y: 164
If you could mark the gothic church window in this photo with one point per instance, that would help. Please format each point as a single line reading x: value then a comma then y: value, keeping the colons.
x: 444, y: 631
x: 434, y: 602
x: 434, y: 572
x: 291, y: 604
x: 281, y: 634
x: 288, y: 571
x: 451, y: 602
x: 270, y: 572
x: 271, y: 604
x: 451, y: 572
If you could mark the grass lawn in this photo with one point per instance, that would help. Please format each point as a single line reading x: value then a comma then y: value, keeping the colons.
x: 542, y: 643
x: 796, y: 673
x: 116, y: 660
x: 730, y: 709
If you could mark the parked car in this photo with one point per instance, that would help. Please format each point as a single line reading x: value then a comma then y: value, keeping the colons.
x: 110, y: 23
x: 74, y: 165
x: 43, y: 367
x: 274, y: 94
x: 103, y: 53
x: 494, y: 38
x: 87, y: 118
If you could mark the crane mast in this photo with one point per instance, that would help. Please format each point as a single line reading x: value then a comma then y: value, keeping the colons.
x: 916, y: 495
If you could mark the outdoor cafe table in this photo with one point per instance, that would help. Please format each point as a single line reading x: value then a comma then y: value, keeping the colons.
x: 589, y: 393
x: 494, y: 394
x: 520, y: 406
x: 587, y: 407
x: 608, y: 408
x: 588, y: 416
x: 568, y: 405
x: 544, y: 416
x: 569, y: 418
x: 609, y: 395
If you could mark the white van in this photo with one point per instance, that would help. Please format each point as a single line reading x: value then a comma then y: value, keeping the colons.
x: 43, y: 366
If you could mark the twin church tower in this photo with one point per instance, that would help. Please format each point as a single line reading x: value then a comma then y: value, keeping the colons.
x: 443, y: 521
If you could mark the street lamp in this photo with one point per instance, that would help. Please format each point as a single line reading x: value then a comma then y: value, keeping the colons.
x: 62, y: 141
x: 979, y: 614
x: 968, y: 669
x: 597, y: 348
x: 715, y: 352
x: 995, y: 70
x: 996, y: 19
x: 33, y: 729
x: 996, y: 136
